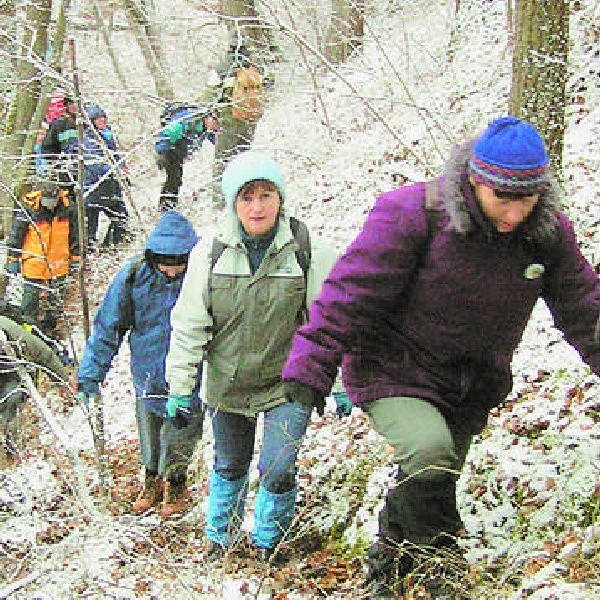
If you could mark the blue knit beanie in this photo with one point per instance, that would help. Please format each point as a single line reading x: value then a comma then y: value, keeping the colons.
x: 250, y: 166
x: 510, y: 156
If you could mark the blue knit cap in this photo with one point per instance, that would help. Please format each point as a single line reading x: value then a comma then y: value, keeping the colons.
x: 510, y: 156
x: 250, y: 166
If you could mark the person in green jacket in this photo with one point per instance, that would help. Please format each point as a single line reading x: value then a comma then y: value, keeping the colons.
x: 243, y: 297
x: 19, y: 347
x: 236, y: 128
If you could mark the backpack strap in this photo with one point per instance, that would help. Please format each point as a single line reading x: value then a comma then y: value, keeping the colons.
x: 216, y: 251
x: 134, y: 268
x: 300, y: 233
x: 302, y: 237
x: 133, y: 271
x: 432, y: 203
x: 303, y: 253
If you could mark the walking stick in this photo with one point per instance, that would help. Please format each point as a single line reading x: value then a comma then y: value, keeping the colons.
x: 96, y: 410
x: 79, y: 196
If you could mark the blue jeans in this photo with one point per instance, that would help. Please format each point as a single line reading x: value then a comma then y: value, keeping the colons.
x: 234, y: 434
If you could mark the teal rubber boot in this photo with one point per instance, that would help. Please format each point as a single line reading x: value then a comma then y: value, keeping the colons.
x: 273, y: 514
x: 225, y: 513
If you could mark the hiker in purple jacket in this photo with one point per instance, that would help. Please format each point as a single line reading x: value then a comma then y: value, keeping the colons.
x: 425, y: 310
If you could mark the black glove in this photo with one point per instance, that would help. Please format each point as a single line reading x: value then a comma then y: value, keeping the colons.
x: 180, y: 421
x: 299, y: 392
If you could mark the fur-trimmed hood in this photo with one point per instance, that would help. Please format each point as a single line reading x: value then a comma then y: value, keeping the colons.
x: 459, y: 201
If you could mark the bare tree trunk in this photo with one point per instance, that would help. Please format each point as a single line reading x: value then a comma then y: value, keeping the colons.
x: 242, y: 18
x: 28, y: 91
x: 346, y: 29
x: 148, y: 43
x: 100, y: 23
x: 29, y: 105
x: 538, y: 92
x: 18, y: 134
x: 452, y: 42
x: 7, y: 14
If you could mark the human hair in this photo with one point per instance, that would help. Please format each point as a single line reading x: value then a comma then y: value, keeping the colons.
x: 249, y: 187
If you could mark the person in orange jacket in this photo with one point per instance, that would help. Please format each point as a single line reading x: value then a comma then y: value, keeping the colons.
x: 43, y: 241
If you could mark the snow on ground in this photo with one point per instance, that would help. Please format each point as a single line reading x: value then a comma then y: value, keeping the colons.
x: 529, y: 491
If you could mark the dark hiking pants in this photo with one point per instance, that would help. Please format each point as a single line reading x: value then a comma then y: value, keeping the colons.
x: 422, y: 506
x: 169, y: 193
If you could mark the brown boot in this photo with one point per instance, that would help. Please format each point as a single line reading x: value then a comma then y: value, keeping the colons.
x: 150, y: 494
x: 175, y: 499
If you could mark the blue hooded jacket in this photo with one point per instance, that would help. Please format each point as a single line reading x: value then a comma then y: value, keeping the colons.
x: 141, y: 306
x: 96, y: 163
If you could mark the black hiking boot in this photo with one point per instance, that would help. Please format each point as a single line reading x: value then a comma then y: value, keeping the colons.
x: 442, y: 570
x: 388, y: 563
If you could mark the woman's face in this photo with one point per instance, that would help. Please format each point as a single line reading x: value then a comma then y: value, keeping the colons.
x: 257, y: 207
x: 505, y: 211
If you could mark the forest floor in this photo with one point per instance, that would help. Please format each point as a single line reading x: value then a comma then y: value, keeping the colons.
x: 529, y: 493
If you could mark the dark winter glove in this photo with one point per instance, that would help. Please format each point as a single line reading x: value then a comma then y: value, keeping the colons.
x: 14, y: 267
x: 299, y: 392
x: 343, y: 406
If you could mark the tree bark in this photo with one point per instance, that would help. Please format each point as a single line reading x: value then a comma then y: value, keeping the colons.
x: 346, y: 29
x: 242, y: 18
x: 18, y: 132
x: 147, y: 38
x: 539, y: 70
x: 107, y: 42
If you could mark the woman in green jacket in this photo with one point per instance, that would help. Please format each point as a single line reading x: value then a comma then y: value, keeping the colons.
x: 244, y: 295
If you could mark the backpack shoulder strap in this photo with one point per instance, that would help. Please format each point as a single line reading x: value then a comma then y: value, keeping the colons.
x: 133, y: 271
x: 303, y: 255
x: 134, y: 268
x: 302, y: 237
x: 300, y: 233
x: 216, y: 251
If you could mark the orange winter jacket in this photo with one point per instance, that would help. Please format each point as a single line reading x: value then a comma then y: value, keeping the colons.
x: 44, y: 238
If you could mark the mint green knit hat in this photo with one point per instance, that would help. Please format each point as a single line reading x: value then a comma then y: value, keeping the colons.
x: 250, y: 166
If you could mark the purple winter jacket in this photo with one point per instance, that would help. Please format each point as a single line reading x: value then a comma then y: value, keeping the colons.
x: 437, y: 312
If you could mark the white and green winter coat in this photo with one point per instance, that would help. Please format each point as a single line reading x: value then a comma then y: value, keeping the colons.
x: 242, y: 324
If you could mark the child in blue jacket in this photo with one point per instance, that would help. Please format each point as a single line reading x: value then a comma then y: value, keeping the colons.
x: 139, y: 301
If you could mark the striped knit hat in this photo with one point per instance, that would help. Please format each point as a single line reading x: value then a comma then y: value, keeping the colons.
x: 510, y: 156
